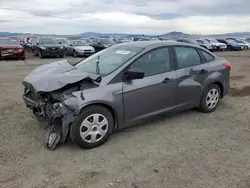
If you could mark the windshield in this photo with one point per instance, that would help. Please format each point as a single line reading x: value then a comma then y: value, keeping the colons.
x: 47, y: 41
x: 214, y: 40
x: 88, y: 41
x: 109, y: 59
x: 79, y: 43
x: 231, y: 41
x: 107, y: 41
x: 239, y: 41
x: 8, y: 42
x: 62, y: 41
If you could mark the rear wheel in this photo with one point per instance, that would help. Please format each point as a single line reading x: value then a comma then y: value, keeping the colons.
x: 92, y: 127
x: 210, y: 99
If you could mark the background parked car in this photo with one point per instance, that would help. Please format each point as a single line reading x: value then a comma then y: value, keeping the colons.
x: 11, y: 49
x: 205, y: 44
x: 245, y: 42
x: 231, y: 44
x: 219, y: 46
x: 45, y: 46
x: 79, y: 48
x: 240, y: 42
x: 192, y: 41
x: 102, y: 43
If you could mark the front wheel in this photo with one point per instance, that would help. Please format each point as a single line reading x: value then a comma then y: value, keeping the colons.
x: 74, y: 54
x: 92, y: 127
x: 210, y: 99
x: 40, y: 54
x: 230, y: 48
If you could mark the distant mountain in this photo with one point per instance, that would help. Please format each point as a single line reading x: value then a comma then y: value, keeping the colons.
x: 236, y: 35
x: 93, y: 34
x: 7, y: 34
x: 174, y: 34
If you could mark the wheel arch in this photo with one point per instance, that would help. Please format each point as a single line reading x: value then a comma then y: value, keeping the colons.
x: 220, y: 85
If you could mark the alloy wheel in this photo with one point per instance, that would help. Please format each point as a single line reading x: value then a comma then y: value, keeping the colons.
x: 212, y: 98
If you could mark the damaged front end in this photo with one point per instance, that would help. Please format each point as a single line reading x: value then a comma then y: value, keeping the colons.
x: 51, y: 104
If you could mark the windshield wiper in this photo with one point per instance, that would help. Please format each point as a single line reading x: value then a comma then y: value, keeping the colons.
x: 97, y: 65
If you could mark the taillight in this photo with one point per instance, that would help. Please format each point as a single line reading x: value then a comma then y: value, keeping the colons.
x: 227, y: 65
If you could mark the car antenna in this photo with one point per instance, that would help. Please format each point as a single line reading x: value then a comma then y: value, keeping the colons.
x: 97, y: 64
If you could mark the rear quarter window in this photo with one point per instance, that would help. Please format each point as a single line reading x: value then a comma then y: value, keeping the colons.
x: 208, y: 57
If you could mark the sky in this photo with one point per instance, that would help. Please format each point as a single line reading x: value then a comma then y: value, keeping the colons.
x: 124, y: 16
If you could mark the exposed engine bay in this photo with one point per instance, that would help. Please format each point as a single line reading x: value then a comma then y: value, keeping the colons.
x: 54, y: 105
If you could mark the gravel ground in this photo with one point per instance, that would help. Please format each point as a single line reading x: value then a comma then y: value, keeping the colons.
x: 189, y: 149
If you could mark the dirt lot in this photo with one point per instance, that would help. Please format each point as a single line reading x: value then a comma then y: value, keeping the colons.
x: 189, y: 149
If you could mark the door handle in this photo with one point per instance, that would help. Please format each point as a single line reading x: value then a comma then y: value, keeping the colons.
x: 203, y: 71
x: 166, y: 80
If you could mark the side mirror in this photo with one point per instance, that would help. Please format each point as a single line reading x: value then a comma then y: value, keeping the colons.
x: 99, y: 43
x: 71, y: 45
x: 59, y: 43
x: 37, y: 43
x: 133, y: 74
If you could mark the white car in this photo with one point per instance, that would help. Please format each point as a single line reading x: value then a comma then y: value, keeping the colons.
x: 219, y: 45
x: 205, y: 44
x: 79, y: 48
x: 247, y: 44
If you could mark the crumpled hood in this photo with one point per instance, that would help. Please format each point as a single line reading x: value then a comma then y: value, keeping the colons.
x: 84, y: 47
x: 53, y: 76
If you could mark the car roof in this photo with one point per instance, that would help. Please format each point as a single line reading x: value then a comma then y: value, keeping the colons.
x: 146, y: 44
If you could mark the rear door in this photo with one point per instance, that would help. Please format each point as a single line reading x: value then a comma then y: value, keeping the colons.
x: 192, y: 72
x: 153, y: 94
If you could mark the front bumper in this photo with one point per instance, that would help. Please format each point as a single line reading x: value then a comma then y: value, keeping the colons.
x: 15, y: 54
x: 54, y: 53
x: 84, y: 53
x: 238, y: 47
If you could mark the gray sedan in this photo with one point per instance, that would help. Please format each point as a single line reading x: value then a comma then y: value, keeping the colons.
x: 122, y: 86
x: 78, y: 48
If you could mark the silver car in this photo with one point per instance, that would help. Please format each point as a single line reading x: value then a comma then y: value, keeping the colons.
x: 79, y: 48
x: 122, y: 86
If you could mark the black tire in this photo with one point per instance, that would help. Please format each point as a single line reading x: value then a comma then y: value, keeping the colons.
x: 203, y: 103
x: 74, y: 54
x: 230, y: 48
x: 62, y: 56
x: 23, y: 58
x: 76, y: 125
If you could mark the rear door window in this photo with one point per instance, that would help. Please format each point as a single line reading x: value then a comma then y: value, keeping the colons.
x: 186, y: 57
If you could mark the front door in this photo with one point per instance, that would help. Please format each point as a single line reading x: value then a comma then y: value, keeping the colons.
x: 153, y: 94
